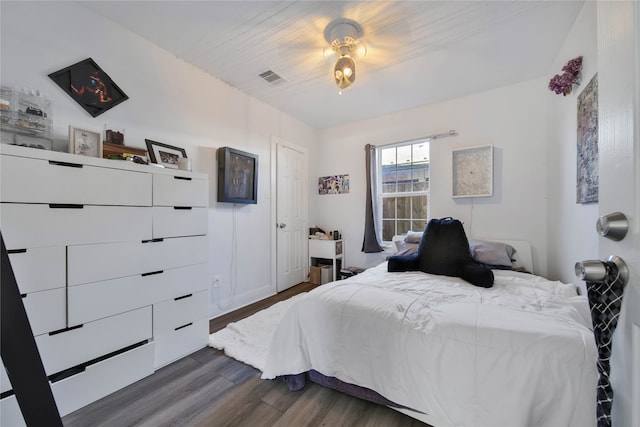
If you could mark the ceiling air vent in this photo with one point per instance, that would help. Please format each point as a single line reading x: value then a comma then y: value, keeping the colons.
x: 272, y: 78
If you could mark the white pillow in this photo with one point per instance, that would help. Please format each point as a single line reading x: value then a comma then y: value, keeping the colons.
x: 413, y: 236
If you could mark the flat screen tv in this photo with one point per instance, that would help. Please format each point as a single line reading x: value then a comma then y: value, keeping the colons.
x: 237, y: 176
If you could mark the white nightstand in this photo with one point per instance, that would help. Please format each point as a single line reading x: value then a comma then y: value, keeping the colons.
x: 327, y: 249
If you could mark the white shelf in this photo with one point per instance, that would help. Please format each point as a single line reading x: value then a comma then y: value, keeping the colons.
x: 327, y: 249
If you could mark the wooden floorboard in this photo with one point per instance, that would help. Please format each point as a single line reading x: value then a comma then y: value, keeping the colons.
x: 209, y: 389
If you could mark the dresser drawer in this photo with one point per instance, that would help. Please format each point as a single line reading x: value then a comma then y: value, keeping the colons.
x: 178, y: 221
x: 46, y: 310
x: 88, y: 264
x: 173, y: 314
x: 94, y: 339
x: 36, y: 225
x: 10, y: 414
x: 106, y: 298
x: 5, y: 384
x: 27, y: 180
x: 39, y: 269
x: 170, y: 190
x: 103, y: 378
x: 181, y: 342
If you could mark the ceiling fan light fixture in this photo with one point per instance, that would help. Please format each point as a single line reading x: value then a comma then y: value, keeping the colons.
x: 343, y: 36
x: 344, y: 72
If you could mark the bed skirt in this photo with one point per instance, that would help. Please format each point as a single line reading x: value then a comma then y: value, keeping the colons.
x: 298, y: 381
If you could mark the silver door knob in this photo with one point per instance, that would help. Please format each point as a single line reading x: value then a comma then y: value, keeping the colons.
x: 282, y: 225
x: 595, y: 271
x: 613, y: 226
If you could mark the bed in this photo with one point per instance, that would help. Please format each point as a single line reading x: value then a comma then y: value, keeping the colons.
x: 441, y: 350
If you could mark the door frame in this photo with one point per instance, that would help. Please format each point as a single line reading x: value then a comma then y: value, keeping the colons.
x: 275, y: 142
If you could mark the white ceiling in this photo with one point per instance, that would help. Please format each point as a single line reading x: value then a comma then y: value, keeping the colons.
x: 418, y: 52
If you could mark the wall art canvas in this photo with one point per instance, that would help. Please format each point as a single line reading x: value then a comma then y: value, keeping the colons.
x: 473, y: 171
x: 335, y: 184
x: 587, y: 150
x: 89, y: 86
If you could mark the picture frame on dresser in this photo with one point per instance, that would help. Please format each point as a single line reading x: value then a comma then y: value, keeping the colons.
x: 165, y: 154
x: 85, y: 142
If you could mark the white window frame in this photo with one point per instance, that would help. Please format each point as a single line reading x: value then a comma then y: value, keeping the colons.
x: 379, y: 185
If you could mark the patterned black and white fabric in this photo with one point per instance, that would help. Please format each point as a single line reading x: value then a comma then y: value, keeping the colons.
x: 605, y: 300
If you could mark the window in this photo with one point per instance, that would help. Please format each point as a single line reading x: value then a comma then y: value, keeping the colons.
x: 403, y: 188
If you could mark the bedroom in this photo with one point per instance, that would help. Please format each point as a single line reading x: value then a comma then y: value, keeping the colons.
x: 533, y: 129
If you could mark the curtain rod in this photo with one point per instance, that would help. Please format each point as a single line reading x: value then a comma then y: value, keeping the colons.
x: 429, y: 137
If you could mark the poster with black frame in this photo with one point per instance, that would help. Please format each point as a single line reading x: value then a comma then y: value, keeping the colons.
x: 89, y: 86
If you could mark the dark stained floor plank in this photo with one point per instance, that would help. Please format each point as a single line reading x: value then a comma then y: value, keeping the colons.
x: 310, y: 408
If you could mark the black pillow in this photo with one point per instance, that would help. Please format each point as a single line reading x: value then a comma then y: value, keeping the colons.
x: 444, y: 250
x: 399, y: 263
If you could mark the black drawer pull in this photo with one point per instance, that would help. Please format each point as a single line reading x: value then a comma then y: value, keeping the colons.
x: 17, y: 251
x: 6, y: 394
x: 182, y: 208
x: 153, y: 240
x: 152, y: 273
x: 183, y: 326
x: 183, y: 297
x: 65, y: 206
x: 71, y: 328
x: 184, y: 178
x: 67, y: 164
x: 23, y: 296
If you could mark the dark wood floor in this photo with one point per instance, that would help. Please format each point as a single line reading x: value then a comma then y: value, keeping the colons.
x: 208, y: 388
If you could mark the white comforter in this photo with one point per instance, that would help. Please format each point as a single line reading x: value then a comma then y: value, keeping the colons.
x: 519, y: 354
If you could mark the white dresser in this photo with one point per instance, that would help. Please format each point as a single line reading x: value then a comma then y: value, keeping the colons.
x: 111, y: 261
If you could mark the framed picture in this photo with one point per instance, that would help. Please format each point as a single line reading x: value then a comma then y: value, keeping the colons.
x: 587, y: 180
x: 85, y: 142
x: 89, y: 86
x: 237, y: 176
x: 473, y: 171
x: 164, y: 154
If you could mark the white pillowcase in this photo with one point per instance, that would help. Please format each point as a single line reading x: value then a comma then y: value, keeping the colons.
x: 413, y: 236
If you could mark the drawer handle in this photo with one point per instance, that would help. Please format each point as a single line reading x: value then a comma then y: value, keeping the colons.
x: 67, y: 373
x: 183, y: 208
x: 183, y: 297
x: 66, y: 164
x: 153, y: 240
x: 60, y: 331
x: 183, y: 326
x: 6, y: 394
x: 17, y: 251
x: 184, y: 178
x: 152, y: 273
x: 23, y: 296
x: 65, y: 206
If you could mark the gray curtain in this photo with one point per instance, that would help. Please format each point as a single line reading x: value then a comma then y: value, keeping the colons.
x: 370, y: 243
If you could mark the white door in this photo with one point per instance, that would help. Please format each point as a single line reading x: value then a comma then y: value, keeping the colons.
x: 619, y: 151
x: 291, y: 215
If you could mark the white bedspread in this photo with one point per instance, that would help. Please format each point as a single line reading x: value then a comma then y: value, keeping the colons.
x: 519, y: 354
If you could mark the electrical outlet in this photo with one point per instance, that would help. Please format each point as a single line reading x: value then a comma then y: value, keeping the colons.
x: 216, y: 281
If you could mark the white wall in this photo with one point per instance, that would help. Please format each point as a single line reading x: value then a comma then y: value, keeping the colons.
x: 511, y: 118
x: 169, y: 101
x: 533, y: 132
x: 571, y: 233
